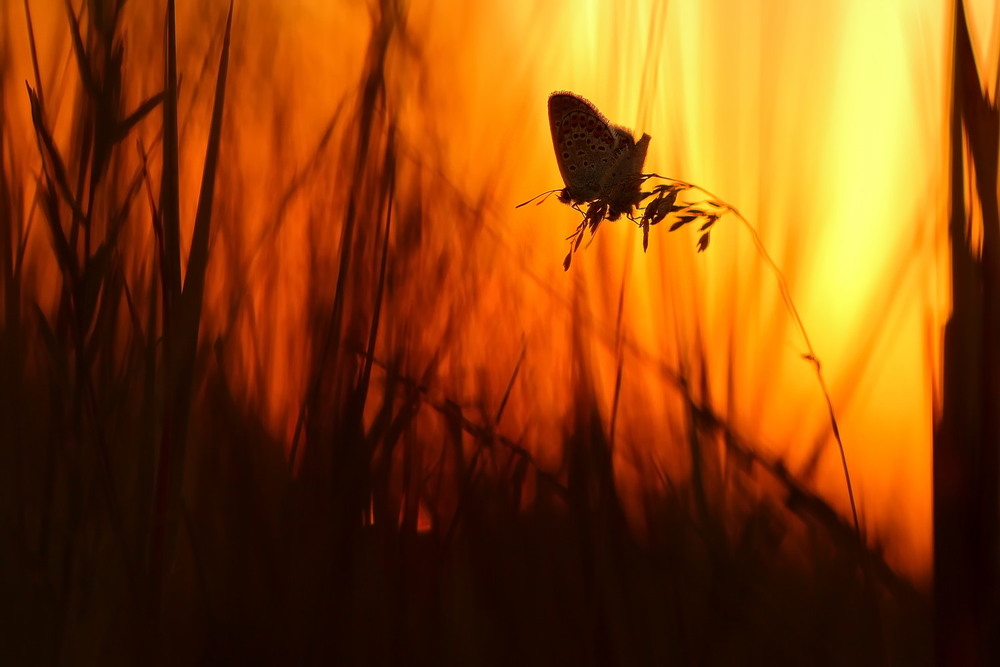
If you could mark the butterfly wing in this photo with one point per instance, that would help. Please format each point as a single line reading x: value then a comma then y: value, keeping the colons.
x: 623, y: 181
x: 586, y: 144
x: 627, y: 161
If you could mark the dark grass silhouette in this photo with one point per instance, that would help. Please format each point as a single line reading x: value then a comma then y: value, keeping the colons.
x: 151, y: 517
x: 967, y: 437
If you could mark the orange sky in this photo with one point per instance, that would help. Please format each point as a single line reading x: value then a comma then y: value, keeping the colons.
x: 824, y: 123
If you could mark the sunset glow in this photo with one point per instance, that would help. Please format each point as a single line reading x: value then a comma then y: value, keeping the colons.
x: 824, y: 124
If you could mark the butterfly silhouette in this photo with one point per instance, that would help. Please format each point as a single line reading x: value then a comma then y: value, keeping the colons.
x: 599, y: 162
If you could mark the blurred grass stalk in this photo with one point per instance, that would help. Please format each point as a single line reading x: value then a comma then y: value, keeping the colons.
x: 182, y: 307
x: 967, y: 437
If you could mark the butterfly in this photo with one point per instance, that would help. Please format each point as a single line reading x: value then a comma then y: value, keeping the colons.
x: 598, y: 161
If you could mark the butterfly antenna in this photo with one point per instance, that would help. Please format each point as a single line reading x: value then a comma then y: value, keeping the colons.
x: 545, y: 195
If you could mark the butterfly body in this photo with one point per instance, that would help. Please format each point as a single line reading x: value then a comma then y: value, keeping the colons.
x: 598, y: 161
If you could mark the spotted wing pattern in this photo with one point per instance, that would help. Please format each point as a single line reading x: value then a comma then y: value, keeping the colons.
x: 596, y: 159
x: 586, y: 144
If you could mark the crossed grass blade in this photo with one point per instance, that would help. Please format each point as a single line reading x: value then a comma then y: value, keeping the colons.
x: 181, y: 332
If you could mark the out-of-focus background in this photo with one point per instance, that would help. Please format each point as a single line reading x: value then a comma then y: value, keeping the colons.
x: 382, y: 339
